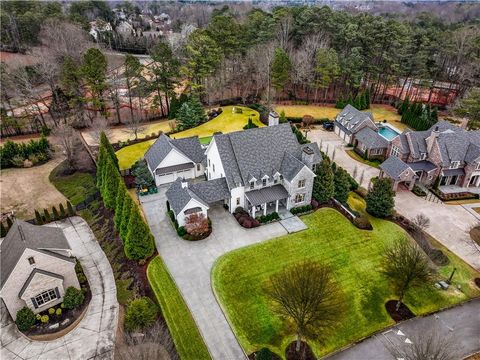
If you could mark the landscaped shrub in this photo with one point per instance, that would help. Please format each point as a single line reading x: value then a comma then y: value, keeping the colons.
x: 314, y: 204
x: 301, y: 209
x: 140, y: 314
x: 38, y: 218
x: 25, y: 319
x: 3, y: 230
x: 73, y: 298
x: 14, y: 154
x: 44, y: 319
x: 51, y: 311
x: 56, y: 216
x: 181, y: 231
x: 143, y: 176
x: 71, y: 211
x: 244, y: 218
x: 82, y: 279
x: 171, y: 215
x: 268, y: 218
x: 196, y: 224
x: 58, y: 312
x: 380, y: 200
x: 265, y: 354
x: 418, y: 191
x: 46, y: 216
x: 362, y: 222
x: 250, y: 125
x: 63, y: 214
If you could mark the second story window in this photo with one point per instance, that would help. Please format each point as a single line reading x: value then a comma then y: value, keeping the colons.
x: 213, y: 167
x: 31, y: 260
x: 423, y: 156
x: 301, y: 183
x: 198, y: 167
x: 252, y: 184
x: 208, y: 162
x: 264, y: 182
x: 395, y: 151
x: 478, y: 166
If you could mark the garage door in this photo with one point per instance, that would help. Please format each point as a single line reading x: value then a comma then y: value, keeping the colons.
x: 341, y: 134
x: 165, y: 178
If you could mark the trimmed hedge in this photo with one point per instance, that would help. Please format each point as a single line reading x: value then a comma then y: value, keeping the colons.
x: 268, y: 218
x: 301, y: 209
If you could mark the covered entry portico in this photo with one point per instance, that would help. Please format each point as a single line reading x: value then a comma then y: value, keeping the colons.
x: 266, y: 200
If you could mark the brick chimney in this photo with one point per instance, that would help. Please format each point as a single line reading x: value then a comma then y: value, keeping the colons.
x: 432, y: 138
x: 307, y: 155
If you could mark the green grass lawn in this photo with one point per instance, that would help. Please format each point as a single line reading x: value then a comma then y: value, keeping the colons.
x: 355, y: 156
x: 184, y: 331
x: 239, y: 280
x: 226, y: 122
x: 76, y: 187
x: 380, y: 113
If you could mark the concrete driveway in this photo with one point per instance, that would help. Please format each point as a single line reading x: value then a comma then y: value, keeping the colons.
x: 190, y: 264
x: 449, y: 224
x: 330, y: 142
x: 460, y: 324
x: 94, y: 336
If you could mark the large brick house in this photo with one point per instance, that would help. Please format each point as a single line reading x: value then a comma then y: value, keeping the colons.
x: 444, y: 155
x: 36, y: 267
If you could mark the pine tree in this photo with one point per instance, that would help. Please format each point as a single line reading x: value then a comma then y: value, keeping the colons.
x: 55, y: 213
x: 101, y: 160
x: 186, y: 117
x: 63, y: 214
x: 379, y: 199
x: 46, y: 215
x: 139, y: 244
x: 38, y: 218
x: 70, y: 209
x: 119, y: 201
x: 342, y: 185
x: 323, y: 187
x: 111, y: 179
x: 109, y: 148
x: 126, y: 209
x: 197, y: 108
x: 367, y: 99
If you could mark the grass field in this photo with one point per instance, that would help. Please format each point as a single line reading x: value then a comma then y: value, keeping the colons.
x: 75, y: 187
x: 184, y: 331
x: 380, y: 113
x: 226, y: 122
x: 239, y: 280
x: 355, y: 156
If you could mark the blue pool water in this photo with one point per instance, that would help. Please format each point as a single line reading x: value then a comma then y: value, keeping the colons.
x: 388, y: 133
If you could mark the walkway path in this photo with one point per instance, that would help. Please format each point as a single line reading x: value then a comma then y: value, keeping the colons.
x: 460, y: 324
x: 94, y: 337
x: 190, y: 264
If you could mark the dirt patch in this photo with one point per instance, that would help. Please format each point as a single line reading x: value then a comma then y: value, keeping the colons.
x: 403, y: 312
x: 305, y: 352
x: 475, y: 234
x: 24, y: 190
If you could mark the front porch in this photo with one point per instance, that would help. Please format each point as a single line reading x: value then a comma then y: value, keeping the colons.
x: 267, y: 200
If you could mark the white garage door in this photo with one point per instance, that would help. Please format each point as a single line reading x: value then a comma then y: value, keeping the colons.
x: 341, y: 134
x: 165, y: 178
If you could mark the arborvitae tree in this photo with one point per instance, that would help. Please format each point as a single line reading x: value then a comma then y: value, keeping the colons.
x: 342, y: 185
x: 101, y: 160
x: 63, y: 214
x: 379, y: 199
x: 55, y: 213
x: 119, y: 201
x: 111, y: 179
x: 139, y: 244
x: 46, y: 215
x: 127, y: 207
x: 71, y: 210
x: 3, y: 230
x: 323, y: 187
x: 109, y: 148
x: 38, y: 218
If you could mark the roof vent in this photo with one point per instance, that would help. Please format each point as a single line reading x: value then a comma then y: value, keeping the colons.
x: 307, y: 150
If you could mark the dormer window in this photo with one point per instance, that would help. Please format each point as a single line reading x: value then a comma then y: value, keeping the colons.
x: 252, y: 184
x: 264, y: 182
x: 423, y: 156
x: 31, y: 260
x: 454, y: 164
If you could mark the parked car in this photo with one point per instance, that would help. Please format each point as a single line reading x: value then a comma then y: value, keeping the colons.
x: 328, y: 125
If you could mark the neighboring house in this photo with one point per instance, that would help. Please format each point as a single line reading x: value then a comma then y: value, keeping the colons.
x: 350, y: 121
x: 169, y: 159
x: 445, y: 154
x: 398, y: 171
x: 36, y: 267
x: 369, y: 144
x: 261, y: 170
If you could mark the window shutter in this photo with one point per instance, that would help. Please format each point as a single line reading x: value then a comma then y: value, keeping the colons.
x: 57, y: 293
x: 34, y: 303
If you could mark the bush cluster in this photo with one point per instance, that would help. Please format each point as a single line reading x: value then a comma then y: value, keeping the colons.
x: 301, y: 209
x: 25, y: 319
x: 417, y: 115
x: 362, y: 223
x: 15, y: 154
x: 73, y: 298
x: 141, y: 313
x: 244, y: 218
x: 268, y: 218
x: 45, y: 216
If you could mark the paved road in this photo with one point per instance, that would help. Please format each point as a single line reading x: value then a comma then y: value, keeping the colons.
x: 190, y: 264
x: 460, y: 324
x: 94, y: 337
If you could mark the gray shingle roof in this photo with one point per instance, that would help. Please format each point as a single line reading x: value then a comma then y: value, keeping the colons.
x: 23, y: 235
x: 32, y: 274
x: 350, y: 118
x: 212, y: 190
x: 266, y: 195
x: 190, y: 147
x: 317, y: 155
x: 290, y: 166
x: 422, y: 165
x: 371, y: 139
x: 394, y: 167
x: 178, y: 196
x: 229, y: 162
x: 404, y: 149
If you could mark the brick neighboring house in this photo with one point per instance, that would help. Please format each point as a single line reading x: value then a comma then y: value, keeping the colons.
x: 261, y: 170
x: 36, y: 267
x: 444, y: 155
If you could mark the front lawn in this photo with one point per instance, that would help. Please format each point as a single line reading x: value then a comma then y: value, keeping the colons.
x: 239, y: 280
x: 355, y: 156
x: 128, y: 155
x: 188, y: 341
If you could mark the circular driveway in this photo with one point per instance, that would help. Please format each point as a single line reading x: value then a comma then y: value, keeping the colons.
x: 94, y: 336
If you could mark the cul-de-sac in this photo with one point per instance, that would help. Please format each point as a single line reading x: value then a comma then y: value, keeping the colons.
x: 239, y: 180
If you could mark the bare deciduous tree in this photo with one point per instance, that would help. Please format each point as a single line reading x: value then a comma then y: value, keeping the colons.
x: 97, y: 128
x: 406, y: 265
x: 69, y: 141
x: 421, y: 222
x: 307, y: 294
x: 425, y: 346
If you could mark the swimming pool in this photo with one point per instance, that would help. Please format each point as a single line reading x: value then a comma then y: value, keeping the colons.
x: 388, y: 133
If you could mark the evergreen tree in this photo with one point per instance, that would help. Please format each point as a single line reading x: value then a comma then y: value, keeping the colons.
x: 63, y: 214
x: 9, y: 222
x: 126, y: 209
x: 379, y: 199
x: 111, y: 179
x: 139, y: 244
x: 94, y: 73
x: 3, y: 230
x: 323, y: 186
x: 71, y: 210
x: 38, y: 218
x: 198, y: 109
x: 55, y: 213
x: 342, y: 185
x: 280, y: 70
x: 101, y: 160
x: 186, y: 117
x: 109, y: 148
x: 119, y: 201
x: 46, y: 215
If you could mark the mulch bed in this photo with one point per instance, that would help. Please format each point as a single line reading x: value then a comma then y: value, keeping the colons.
x: 477, y: 282
x: 305, y: 352
x: 403, y: 312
